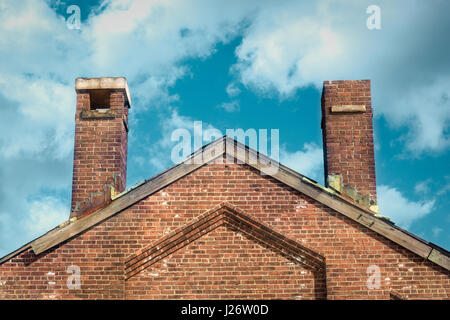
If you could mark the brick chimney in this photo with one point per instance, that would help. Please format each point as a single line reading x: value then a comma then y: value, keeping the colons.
x: 348, y: 140
x: 101, y: 134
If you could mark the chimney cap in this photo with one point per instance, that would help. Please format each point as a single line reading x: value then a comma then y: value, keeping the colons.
x: 115, y: 83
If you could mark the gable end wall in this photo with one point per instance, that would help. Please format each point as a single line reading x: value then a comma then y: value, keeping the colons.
x: 348, y: 248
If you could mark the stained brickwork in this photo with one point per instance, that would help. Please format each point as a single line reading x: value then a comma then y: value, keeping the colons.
x: 100, y: 154
x: 348, y: 136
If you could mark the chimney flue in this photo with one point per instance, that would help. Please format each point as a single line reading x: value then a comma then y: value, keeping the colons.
x: 348, y: 140
x: 101, y: 134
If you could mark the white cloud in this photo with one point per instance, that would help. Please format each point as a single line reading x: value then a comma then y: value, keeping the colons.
x: 143, y: 40
x: 28, y: 180
x: 436, y: 231
x: 308, y: 161
x: 40, y: 120
x: 300, y: 44
x: 233, y: 90
x: 230, y: 106
x: 284, y: 49
x: 44, y: 215
x: 401, y: 210
x: 422, y: 187
x: 157, y: 36
x: 444, y: 189
x: 426, y: 109
x: 41, y: 215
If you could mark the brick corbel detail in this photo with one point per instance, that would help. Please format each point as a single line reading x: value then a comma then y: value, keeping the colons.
x: 233, y: 218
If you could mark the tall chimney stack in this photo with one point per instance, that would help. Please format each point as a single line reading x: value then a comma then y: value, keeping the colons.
x: 348, y: 140
x: 101, y: 135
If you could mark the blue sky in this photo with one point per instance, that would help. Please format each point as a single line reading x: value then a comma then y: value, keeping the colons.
x: 234, y: 64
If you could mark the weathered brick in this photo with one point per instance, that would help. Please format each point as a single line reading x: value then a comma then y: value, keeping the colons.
x: 348, y: 136
x: 100, y: 154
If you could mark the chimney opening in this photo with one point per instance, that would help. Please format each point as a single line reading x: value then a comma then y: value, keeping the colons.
x: 99, y: 99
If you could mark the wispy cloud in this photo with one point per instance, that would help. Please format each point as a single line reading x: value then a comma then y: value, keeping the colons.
x: 445, y: 187
x: 399, y: 208
x: 307, y: 161
x: 436, y: 231
x: 230, y: 106
x: 422, y: 187
x: 45, y: 214
x: 233, y: 90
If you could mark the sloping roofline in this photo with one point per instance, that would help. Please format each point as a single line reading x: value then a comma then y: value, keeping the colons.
x: 243, y: 154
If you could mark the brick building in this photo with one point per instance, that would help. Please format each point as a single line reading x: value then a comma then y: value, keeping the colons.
x: 219, y: 225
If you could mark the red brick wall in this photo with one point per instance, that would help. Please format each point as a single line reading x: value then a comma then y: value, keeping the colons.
x: 223, y: 263
x: 100, y: 155
x: 348, y: 137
